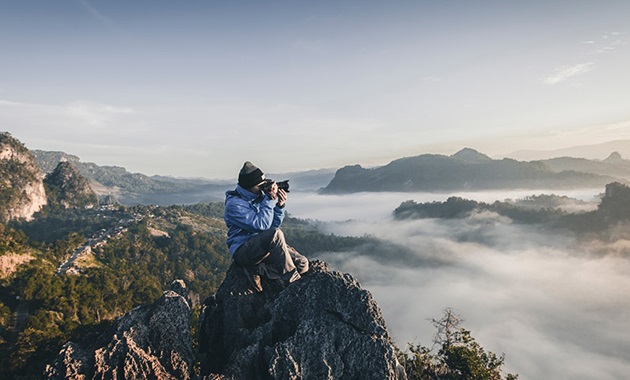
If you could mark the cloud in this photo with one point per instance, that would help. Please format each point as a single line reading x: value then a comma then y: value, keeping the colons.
x: 564, y: 73
x: 548, y: 299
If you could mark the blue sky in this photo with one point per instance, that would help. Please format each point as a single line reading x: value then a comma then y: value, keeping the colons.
x: 194, y: 88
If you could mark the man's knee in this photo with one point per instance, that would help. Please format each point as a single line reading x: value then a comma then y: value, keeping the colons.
x: 277, y: 235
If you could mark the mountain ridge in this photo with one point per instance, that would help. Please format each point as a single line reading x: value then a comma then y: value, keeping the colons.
x: 465, y: 170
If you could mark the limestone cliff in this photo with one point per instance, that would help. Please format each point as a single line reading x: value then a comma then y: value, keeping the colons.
x: 324, y: 326
x: 22, y: 191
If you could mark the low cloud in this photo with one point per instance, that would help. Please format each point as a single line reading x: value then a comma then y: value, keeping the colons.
x: 557, y: 307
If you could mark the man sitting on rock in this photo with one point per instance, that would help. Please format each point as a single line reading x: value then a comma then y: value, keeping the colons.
x: 255, y: 241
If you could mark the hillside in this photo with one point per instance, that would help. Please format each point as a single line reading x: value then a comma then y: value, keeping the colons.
x: 465, y: 170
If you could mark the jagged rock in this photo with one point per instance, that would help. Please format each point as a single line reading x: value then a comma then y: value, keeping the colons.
x: 147, y: 343
x: 22, y: 191
x: 324, y: 326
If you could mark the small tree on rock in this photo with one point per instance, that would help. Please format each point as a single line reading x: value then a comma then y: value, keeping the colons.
x: 458, y: 357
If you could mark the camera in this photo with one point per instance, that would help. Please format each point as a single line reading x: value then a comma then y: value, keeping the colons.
x: 284, y: 185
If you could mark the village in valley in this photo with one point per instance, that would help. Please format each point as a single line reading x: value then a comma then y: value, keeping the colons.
x: 100, y: 238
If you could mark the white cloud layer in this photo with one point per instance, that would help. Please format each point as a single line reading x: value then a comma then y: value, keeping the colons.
x: 557, y: 308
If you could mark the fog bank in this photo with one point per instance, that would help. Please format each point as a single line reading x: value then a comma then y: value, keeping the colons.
x: 556, y: 307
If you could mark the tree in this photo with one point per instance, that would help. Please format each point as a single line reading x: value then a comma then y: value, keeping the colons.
x: 459, y: 356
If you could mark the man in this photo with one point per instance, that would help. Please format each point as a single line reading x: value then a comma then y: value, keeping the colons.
x: 255, y: 241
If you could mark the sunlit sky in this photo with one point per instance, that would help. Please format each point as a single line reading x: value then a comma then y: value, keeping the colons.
x: 195, y: 88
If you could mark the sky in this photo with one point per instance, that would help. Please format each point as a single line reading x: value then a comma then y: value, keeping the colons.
x: 195, y: 88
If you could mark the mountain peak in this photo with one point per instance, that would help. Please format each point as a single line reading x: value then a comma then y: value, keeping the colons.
x: 324, y: 323
x: 614, y: 157
x: 68, y: 188
x: 471, y: 155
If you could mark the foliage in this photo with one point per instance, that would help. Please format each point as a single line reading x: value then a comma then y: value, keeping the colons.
x: 11, y: 240
x: 458, y: 356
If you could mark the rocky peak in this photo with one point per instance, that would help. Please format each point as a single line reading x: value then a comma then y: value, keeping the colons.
x: 471, y: 155
x: 22, y: 191
x: 67, y: 188
x: 324, y: 326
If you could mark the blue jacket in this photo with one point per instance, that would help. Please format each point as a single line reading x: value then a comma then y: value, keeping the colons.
x: 248, y: 214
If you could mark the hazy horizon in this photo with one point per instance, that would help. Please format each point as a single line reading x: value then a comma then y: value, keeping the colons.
x: 194, y: 89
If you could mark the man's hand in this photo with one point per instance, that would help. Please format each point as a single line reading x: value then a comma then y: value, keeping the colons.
x: 282, y: 196
x: 273, y: 191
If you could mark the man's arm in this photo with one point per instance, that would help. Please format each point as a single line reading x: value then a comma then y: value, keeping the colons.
x: 241, y: 214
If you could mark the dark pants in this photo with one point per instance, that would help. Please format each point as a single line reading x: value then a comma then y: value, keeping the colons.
x: 274, y: 258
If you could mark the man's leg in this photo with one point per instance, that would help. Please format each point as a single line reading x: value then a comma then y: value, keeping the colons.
x: 301, y: 262
x: 269, y: 251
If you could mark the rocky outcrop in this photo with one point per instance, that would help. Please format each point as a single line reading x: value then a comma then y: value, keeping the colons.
x: 22, y: 191
x: 67, y: 188
x: 150, y: 342
x: 324, y: 326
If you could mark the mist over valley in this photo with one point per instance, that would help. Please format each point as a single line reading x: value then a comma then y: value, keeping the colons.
x: 553, y: 301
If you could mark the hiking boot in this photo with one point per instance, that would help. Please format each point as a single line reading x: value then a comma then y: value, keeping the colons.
x: 291, y: 277
x: 253, y: 278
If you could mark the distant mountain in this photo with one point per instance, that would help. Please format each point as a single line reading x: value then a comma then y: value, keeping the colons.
x: 135, y: 188
x: 67, y: 188
x: 21, y: 188
x: 595, y: 151
x: 465, y: 170
x: 614, y: 165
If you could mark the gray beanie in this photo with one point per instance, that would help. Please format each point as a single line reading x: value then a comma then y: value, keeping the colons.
x: 250, y: 175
